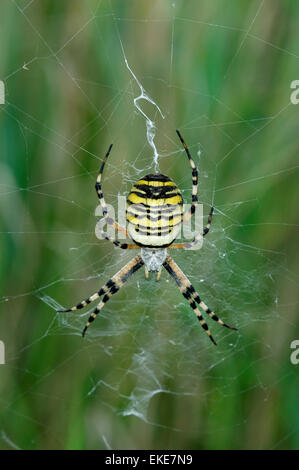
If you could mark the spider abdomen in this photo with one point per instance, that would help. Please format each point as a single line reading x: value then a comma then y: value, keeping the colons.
x: 154, y: 211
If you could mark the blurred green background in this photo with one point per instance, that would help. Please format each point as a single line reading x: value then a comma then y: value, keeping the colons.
x: 146, y: 376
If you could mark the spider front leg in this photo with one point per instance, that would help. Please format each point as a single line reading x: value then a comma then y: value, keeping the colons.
x: 205, y: 308
x: 111, y: 287
x: 192, y: 296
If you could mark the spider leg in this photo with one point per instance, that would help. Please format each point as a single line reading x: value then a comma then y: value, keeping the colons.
x: 110, y: 288
x: 198, y: 237
x: 189, y: 292
x: 90, y: 299
x: 124, y: 246
x: 182, y: 283
x: 191, y: 211
x: 99, y: 191
x: 118, y: 281
x: 206, y: 309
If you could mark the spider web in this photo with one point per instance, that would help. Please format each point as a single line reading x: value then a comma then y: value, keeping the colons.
x: 145, y: 362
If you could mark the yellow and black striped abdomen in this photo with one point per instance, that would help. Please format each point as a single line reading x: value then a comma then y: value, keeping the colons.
x: 154, y: 211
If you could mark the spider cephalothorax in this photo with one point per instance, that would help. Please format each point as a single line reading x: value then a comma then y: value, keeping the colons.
x: 154, y: 215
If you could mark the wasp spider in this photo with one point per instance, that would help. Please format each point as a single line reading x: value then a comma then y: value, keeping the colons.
x: 154, y: 215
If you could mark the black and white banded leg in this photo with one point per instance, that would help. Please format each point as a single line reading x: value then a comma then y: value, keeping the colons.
x: 191, y: 211
x: 110, y: 288
x: 197, y: 237
x: 205, y: 308
x: 108, y: 219
x: 191, y: 295
x: 124, y: 246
